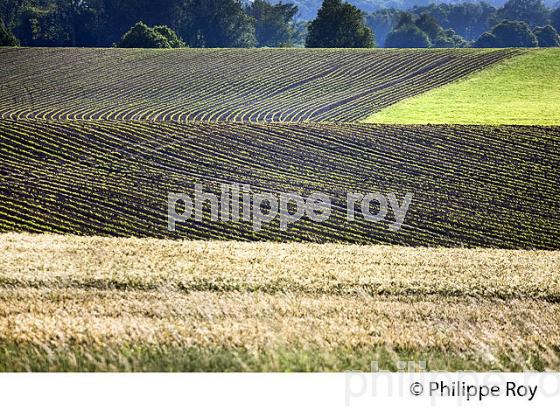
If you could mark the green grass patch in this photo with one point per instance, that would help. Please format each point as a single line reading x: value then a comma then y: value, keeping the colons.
x: 523, y: 90
x: 152, y: 358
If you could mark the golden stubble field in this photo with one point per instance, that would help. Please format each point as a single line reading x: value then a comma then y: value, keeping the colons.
x: 80, y: 304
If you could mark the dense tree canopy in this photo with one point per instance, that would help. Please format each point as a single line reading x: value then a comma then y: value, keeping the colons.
x: 469, y: 20
x: 429, y: 25
x: 547, y: 36
x: 308, y: 8
x: 79, y: 22
x: 269, y: 23
x: 508, y: 34
x: 274, y: 23
x: 217, y: 23
x: 142, y: 36
x: 339, y: 24
x: 514, y: 34
x: 117, y: 16
x: 407, y: 36
x: 172, y: 38
x: 422, y: 31
x: 486, y: 40
x: 204, y: 23
x: 7, y: 39
x: 449, y: 39
x: 533, y: 12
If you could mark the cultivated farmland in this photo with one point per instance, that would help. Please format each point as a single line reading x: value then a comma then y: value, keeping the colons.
x: 473, y: 186
x: 223, y: 85
x: 523, y: 91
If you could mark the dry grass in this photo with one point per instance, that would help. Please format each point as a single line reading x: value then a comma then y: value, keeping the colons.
x: 70, y: 303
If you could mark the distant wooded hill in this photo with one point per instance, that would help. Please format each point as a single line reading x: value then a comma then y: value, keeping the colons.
x: 308, y: 8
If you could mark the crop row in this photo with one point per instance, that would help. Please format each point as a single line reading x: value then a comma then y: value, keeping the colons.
x: 472, y: 185
x: 223, y: 85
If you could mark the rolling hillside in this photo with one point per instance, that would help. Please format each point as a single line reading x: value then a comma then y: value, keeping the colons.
x: 287, y: 85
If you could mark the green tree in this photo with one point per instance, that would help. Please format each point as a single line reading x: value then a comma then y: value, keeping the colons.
x: 142, y: 36
x: 449, y: 39
x: 533, y: 12
x: 172, y: 38
x: 82, y: 21
x: 274, y: 24
x: 429, y: 25
x: 408, y: 36
x: 7, y: 39
x: 216, y: 23
x: 547, y: 36
x: 42, y: 26
x: 514, y: 34
x: 486, y: 40
x: 52, y: 23
x: 339, y: 25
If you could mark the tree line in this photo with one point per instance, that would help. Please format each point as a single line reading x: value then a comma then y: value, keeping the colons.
x: 262, y: 23
x: 102, y: 23
x: 307, y: 9
x: 468, y: 24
